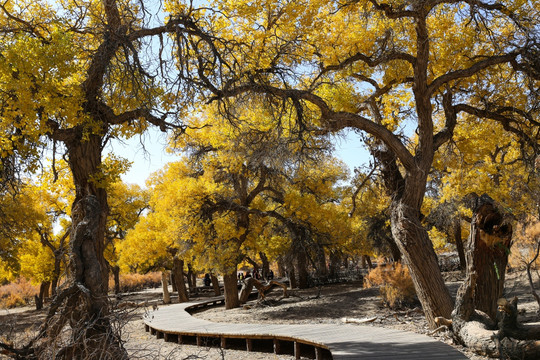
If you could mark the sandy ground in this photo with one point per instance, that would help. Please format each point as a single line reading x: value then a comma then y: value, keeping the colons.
x: 328, y: 304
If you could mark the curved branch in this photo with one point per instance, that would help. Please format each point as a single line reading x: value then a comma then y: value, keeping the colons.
x: 473, y: 69
x: 451, y: 120
x: 505, y: 121
x: 332, y: 121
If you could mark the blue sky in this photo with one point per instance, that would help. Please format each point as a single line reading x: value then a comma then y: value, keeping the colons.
x: 349, y: 149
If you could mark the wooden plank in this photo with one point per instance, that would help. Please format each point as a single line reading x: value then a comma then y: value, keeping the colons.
x: 297, y: 353
x: 360, y: 340
x: 277, y: 346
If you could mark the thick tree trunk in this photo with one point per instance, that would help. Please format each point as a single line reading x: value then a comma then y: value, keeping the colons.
x: 302, y: 270
x: 215, y: 284
x: 178, y: 276
x: 492, y: 236
x: 83, y: 302
x: 230, y: 287
x: 165, y: 287
x: 418, y: 253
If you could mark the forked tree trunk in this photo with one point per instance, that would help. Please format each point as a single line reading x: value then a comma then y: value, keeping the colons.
x: 215, y: 284
x: 178, y: 276
x: 230, y: 288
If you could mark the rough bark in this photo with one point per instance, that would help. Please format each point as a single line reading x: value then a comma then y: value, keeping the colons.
x: 418, y: 253
x: 165, y: 287
x: 178, y: 276
x: 492, y: 235
x: 230, y: 288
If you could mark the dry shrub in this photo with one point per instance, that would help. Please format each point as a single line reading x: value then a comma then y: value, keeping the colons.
x: 525, y: 242
x: 18, y: 293
x: 137, y: 282
x: 395, y: 284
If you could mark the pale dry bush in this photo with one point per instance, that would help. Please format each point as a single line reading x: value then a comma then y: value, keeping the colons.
x: 395, y: 284
x: 526, y: 238
x: 18, y: 293
x: 136, y: 282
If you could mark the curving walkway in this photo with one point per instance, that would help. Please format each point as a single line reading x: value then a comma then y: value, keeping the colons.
x: 317, y: 341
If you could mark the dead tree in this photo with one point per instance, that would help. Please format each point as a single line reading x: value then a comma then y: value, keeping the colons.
x: 482, y: 320
x: 263, y: 289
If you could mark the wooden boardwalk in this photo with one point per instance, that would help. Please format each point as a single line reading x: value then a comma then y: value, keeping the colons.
x: 316, y: 341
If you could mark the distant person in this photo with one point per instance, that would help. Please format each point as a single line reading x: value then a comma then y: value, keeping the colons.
x: 207, y: 280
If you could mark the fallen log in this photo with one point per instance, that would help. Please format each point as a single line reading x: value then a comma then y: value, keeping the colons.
x: 263, y: 289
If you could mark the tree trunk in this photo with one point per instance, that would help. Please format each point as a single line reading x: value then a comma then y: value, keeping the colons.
x: 292, y: 277
x: 230, y: 287
x: 246, y: 290
x: 44, y: 290
x: 366, y: 262
x: 301, y: 270
x: 165, y: 287
x: 265, y: 265
x: 280, y: 268
x: 84, y: 301
x: 335, y: 265
x: 459, y: 242
x: 173, y: 281
x: 116, y: 276
x: 492, y: 235
x: 178, y: 276
x: 322, y: 271
x: 254, y: 264
x: 56, y: 272
x: 215, y: 284
x: 418, y: 253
